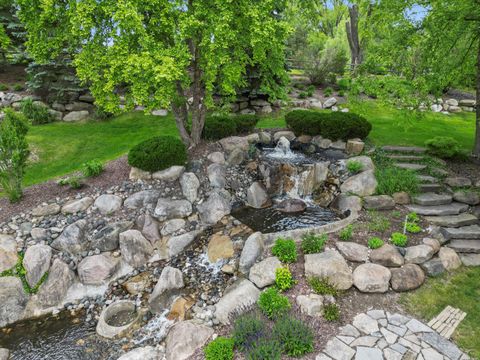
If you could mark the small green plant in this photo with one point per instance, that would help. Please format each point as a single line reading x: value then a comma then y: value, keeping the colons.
x: 392, y: 179
x: 396, y: 214
x: 378, y: 222
x: 219, y: 349
x: 311, y: 90
x: 13, y: 154
x: 265, y: 349
x: 375, y: 243
x: 413, y: 217
x: 302, y: 95
x: 285, y: 250
x: 247, y: 329
x: 283, y: 278
x: 273, y: 304
x: 18, y: 87
x: 19, y: 271
x: 347, y: 233
x: 331, y: 312
x: 295, y: 337
x: 73, y: 181
x: 92, y: 168
x: 312, y: 243
x: 399, y: 239
x: 322, y: 286
x: 413, y: 228
x: 341, y: 93
x: 354, y: 166
x: 3, y: 87
x: 445, y: 147
x: 35, y: 113
x: 328, y: 91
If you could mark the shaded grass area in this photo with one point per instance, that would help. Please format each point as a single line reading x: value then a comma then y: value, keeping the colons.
x: 63, y: 147
x: 460, y: 289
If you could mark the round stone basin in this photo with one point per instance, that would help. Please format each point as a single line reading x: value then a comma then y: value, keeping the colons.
x: 118, y: 318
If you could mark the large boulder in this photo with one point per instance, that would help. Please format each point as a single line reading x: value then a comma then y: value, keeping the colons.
x: 234, y: 142
x: 142, y: 199
x: 46, y: 210
x: 136, y: 250
x: 190, y: 184
x: 449, y: 258
x: 219, y: 247
x: 363, y: 184
x: 418, y: 254
x: 217, y: 176
x: 75, y: 116
x: 108, y: 203
x: 344, y: 202
x: 378, y: 202
x: 54, y: 289
x: 185, y: 338
x: 467, y: 197
x: 8, y: 252
x: 150, y: 228
x: 170, y: 209
x: 36, y: 263
x: 387, y: 255
x: 353, y: 251
x: 237, y: 298
x: 167, y: 287
x: 215, y: 208
x: 311, y: 304
x: 367, y: 163
x: 97, y: 269
x: 172, y: 226
x: 175, y: 244
x: 107, y: 238
x: 173, y: 173
x: 257, y: 196
x: 331, y: 265
x: 12, y: 300
x: 408, y: 277
x: 291, y: 206
x: 142, y: 353
x: 331, y: 101
x: 262, y: 274
x: 371, y: 278
x: 77, y: 205
x: 73, y: 239
x: 251, y: 251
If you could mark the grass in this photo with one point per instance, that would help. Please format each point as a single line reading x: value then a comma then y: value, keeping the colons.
x: 461, y: 290
x: 63, y: 147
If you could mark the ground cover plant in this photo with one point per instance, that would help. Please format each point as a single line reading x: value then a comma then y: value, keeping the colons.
x: 273, y: 304
x: 312, y: 243
x: 346, y: 233
x: 322, y: 286
x: 219, y: 349
x: 399, y: 239
x: 283, y: 278
x: 285, y: 250
x: 375, y: 243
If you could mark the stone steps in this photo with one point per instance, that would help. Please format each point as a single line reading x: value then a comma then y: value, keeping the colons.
x: 439, y: 210
x: 465, y: 246
x: 432, y: 199
x: 410, y: 166
x: 471, y: 232
x: 404, y: 149
x: 405, y: 157
x: 453, y: 221
x: 428, y: 188
x: 427, y: 179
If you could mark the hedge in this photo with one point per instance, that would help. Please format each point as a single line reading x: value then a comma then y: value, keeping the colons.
x: 221, y: 126
x: 330, y: 125
x: 158, y: 153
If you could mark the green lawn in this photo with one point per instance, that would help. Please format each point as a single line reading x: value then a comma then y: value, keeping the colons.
x: 64, y: 147
x: 461, y: 290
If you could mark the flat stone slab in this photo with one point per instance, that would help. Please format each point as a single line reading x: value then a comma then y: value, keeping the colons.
x: 405, y: 149
x: 470, y: 259
x: 432, y: 199
x: 465, y: 246
x: 453, y: 221
x: 411, y: 166
x: 427, y: 179
x: 405, y: 157
x: 471, y: 232
x: 447, y: 321
x: 425, y: 188
x: 439, y: 210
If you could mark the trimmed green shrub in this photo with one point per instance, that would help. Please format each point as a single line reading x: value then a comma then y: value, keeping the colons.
x: 391, y: 179
x: 245, y: 123
x: 36, y: 114
x: 283, y: 278
x: 344, y: 84
x: 312, y: 244
x: 273, y: 304
x: 330, y: 125
x: 399, y: 239
x: 346, y: 233
x: 354, y: 166
x: 444, y: 147
x: 158, y: 153
x: 13, y: 153
x: 92, y: 168
x: 247, y: 329
x: 322, y: 286
x: 295, y: 337
x: 412, y: 228
x: 219, y: 349
x: 221, y: 126
x: 331, y: 312
x: 375, y: 243
x: 265, y: 349
x: 285, y: 250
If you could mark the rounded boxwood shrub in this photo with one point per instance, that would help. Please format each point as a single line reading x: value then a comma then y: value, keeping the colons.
x: 158, y: 153
x: 219, y: 349
x: 221, y: 126
x: 245, y: 123
x: 330, y: 125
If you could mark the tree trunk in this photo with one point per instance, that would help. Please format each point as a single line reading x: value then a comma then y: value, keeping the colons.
x: 198, y: 109
x: 352, y: 36
x: 180, y: 111
x: 476, y: 149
